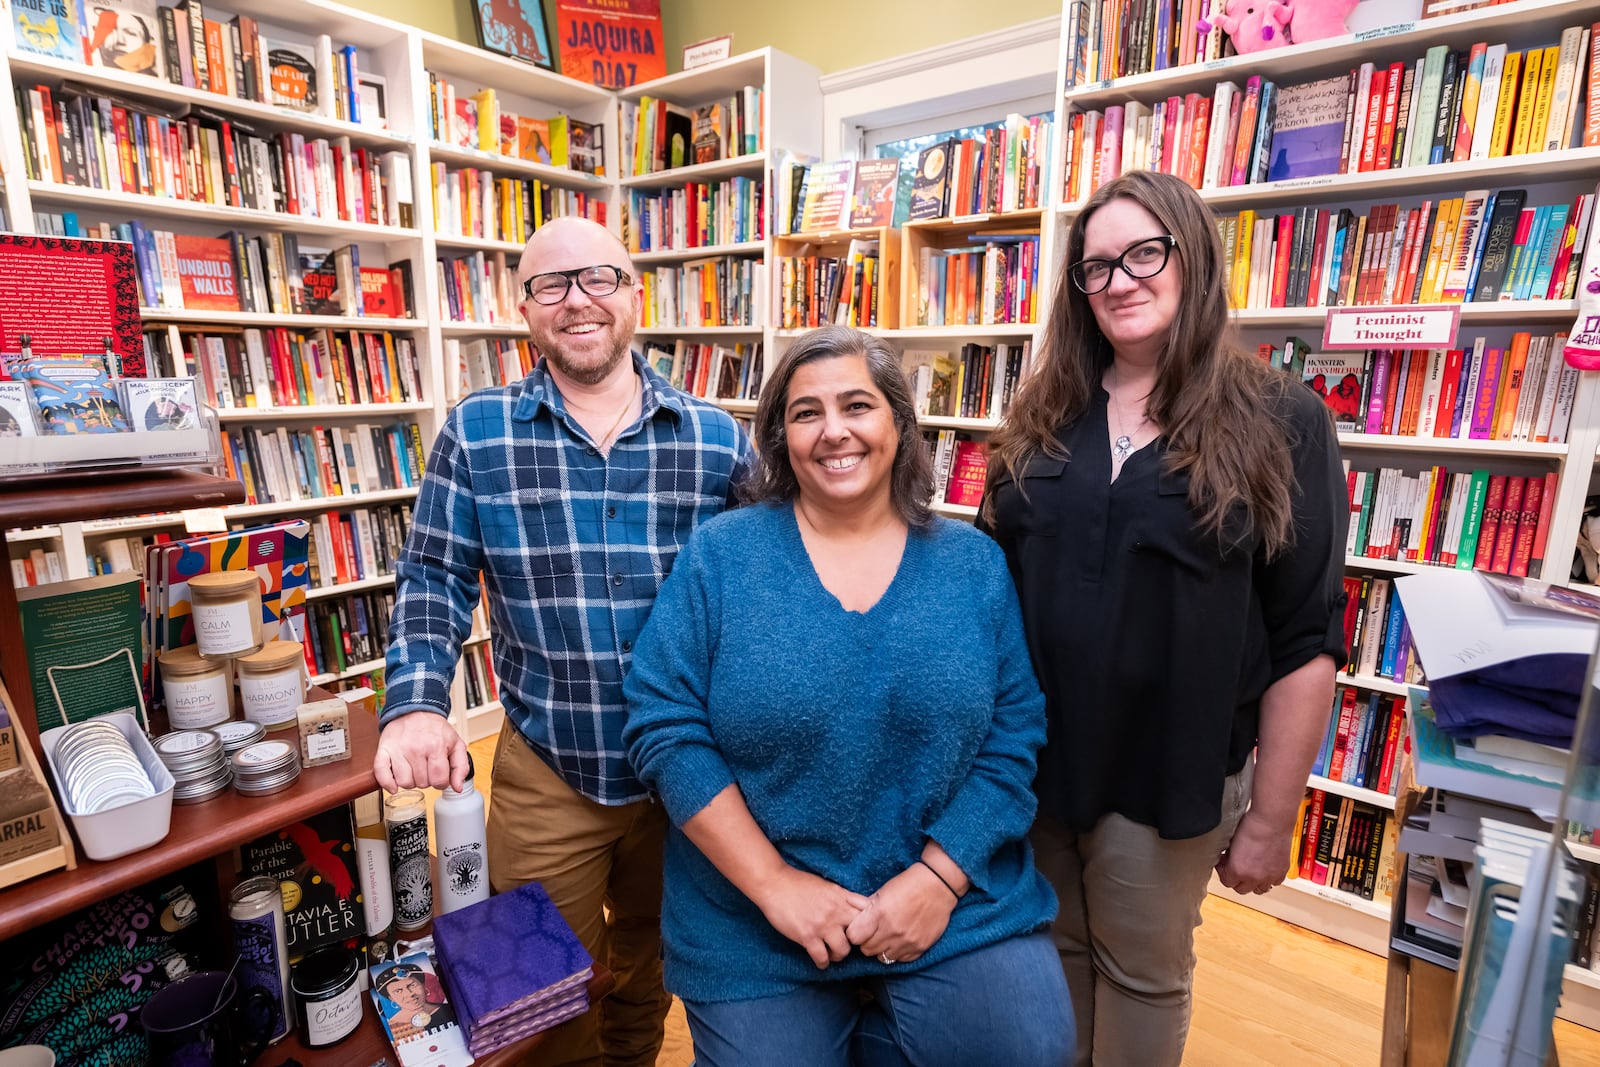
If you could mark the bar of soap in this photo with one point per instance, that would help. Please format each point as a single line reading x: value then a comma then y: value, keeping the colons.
x: 324, y: 732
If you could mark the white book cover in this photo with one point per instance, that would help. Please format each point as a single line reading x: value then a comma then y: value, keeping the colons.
x: 1533, y: 375
x: 1358, y: 120
x: 1566, y: 393
x: 1555, y: 132
x: 161, y: 403
x: 1221, y: 103
x: 1494, y: 64
x: 16, y: 411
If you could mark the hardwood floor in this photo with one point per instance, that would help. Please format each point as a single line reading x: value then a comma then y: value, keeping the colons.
x: 1267, y: 994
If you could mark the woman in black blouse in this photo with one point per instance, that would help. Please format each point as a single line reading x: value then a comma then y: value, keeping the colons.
x: 1173, y: 512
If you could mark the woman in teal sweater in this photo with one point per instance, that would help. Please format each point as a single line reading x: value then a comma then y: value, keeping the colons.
x: 834, y: 701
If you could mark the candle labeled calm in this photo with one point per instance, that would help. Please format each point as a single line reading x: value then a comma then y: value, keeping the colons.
x: 227, y: 613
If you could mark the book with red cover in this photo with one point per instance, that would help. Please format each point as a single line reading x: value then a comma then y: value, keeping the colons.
x: 1527, y: 527
x: 1510, y: 518
x: 205, y: 269
x: 1489, y: 527
x: 93, y: 291
x: 967, y: 473
x: 1541, y: 536
x: 378, y: 293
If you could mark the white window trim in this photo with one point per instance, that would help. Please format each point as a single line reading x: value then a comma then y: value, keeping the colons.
x: 993, y: 68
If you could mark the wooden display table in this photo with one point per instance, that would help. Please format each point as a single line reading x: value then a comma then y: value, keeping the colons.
x: 368, y: 1044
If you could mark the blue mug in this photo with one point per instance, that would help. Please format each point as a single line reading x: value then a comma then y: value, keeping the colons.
x: 199, y: 1021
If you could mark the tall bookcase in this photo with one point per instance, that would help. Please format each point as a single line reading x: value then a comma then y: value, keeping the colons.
x: 786, y: 120
x: 404, y: 57
x: 1549, y: 177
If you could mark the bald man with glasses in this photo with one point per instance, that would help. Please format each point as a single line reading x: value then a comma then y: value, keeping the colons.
x: 570, y: 493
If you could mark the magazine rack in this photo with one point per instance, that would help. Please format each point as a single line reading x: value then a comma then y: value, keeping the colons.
x: 198, y: 446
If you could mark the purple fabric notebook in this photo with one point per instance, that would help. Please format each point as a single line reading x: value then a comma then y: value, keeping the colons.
x: 507, y: 956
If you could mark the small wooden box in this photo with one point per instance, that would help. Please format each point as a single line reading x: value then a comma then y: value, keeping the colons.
x: 50, y: 859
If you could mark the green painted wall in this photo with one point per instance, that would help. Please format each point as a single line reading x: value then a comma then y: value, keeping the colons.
x: 451, y: 18
x: 838, y: 34
x: 829, y: 34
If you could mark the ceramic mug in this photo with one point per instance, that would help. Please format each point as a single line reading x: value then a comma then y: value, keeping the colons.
x: 198, y: 1021
x: 28, y: 1056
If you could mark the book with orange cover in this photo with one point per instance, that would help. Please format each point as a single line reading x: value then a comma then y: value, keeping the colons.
x: 1511, y: 375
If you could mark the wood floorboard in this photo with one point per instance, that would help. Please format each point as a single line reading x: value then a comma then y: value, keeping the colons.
x: 1267, y: 994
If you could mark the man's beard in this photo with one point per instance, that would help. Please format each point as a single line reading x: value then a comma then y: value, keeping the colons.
x: 588, y: 370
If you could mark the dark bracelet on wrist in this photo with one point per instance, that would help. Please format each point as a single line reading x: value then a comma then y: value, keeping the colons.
x: 941, y: 878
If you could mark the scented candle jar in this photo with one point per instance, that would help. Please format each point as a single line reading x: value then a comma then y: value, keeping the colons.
x: 227, y: 613
x: 198, y: 691
x: 327, y: 996
x: 272, y: 684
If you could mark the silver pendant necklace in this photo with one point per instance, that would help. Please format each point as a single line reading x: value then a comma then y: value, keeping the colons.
x: 1122, y: 447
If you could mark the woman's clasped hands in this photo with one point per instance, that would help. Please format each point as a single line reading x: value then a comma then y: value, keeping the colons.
x: 896, y: 924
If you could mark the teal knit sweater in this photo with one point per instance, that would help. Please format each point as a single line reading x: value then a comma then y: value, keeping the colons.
x: 853, y: 737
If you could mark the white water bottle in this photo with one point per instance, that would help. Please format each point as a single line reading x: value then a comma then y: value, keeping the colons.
x: 458, y: 829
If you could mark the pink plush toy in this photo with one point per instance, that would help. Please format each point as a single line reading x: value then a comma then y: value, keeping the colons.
x: 1256, y: 25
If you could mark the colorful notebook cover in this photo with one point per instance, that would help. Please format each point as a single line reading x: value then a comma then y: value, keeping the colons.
x: 278, y: 554
x: 509, y: 956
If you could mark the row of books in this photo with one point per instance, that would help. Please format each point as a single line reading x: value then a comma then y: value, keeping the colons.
x: 1103, y: 39
x: 235, y: 272
x: 282, y: 367
x: 318, y: 463
x: 470, y: 202
x: 38, y: 566
x: 477, y: 121
x: 699, y: 214
x: 477, y: 674
x: 1480, y: 247
x: 722, y: 291
x: 346, y: 630
x: 483, y: 363
x: 478, y: 288
x: 1481, y: 103
x: 93, y: 142
x: 960, y: 466
x: 1523, y: 392
x: 1364, y: 740
x: 714, y: 371
x: 658, y: 135
x: 1376, y: 635
x: 845, y: 289
x: 1345, y: 844
x: 238, y: 58
x: 1467, y: 520
x: 1004, y: 171
x: 351, y: 546
x: 976, y: 383
x: 971, y: 285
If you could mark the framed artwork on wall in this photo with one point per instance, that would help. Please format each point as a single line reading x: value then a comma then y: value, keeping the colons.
x: 514, y: 28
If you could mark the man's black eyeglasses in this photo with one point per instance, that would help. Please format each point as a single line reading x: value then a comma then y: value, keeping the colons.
x: 551, y: 288
x: 1143, y: 260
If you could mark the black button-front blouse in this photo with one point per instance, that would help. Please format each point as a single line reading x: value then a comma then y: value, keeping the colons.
x: 1152, y: 643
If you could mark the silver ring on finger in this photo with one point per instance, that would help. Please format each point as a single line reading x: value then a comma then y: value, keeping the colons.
x: 884, y: 957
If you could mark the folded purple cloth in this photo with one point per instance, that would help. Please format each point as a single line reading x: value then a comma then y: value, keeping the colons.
x: 510, y: 956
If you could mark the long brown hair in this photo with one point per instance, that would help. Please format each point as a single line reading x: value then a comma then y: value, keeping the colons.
x: 1211, y: 399
x: 773, y: 479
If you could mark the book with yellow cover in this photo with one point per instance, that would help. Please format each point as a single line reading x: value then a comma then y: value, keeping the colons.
x: 1500, y: 138
x: 1532, y: 63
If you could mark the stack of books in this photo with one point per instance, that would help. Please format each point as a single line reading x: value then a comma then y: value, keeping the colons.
x: 513, y: 966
